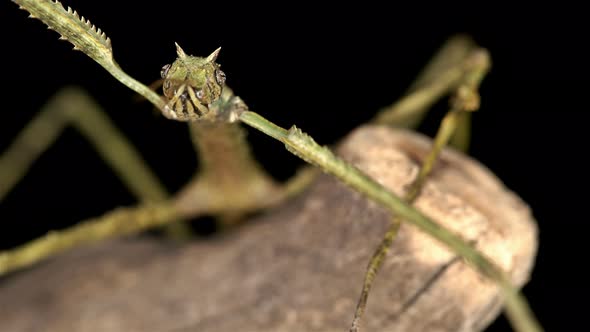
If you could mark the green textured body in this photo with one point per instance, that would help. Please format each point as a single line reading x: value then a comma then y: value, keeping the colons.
x: 191, y: 84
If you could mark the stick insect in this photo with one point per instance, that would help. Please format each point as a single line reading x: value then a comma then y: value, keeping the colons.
x: 194, y: 92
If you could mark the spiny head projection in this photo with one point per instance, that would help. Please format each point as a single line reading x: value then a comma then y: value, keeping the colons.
x: 191, y: 84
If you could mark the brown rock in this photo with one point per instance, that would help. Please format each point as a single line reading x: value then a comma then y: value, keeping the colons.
x: 300, y: 266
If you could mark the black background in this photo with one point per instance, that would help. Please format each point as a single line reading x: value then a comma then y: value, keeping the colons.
x: 326, y: 70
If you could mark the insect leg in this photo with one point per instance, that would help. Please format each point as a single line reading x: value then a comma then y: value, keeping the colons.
x: 200, y: 108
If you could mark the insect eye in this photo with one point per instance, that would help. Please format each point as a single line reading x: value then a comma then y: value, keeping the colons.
x: 165, y: 70
x: 199, y: 94
x: 220, y: 76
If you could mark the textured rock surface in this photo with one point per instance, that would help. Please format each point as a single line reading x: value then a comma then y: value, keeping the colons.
x: 300, y: 266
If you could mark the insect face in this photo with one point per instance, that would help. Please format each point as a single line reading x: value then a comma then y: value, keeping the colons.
x: 191, y: 84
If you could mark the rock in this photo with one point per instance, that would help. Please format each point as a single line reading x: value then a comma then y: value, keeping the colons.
x: 300, y: 266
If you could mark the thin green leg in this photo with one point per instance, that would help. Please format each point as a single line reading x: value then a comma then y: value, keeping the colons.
x: 465, y: 100
x: 73, y: 107
x: 118, y: 222
x: 440, y: 76
x: 35, y: 138
x: 462, y: 137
